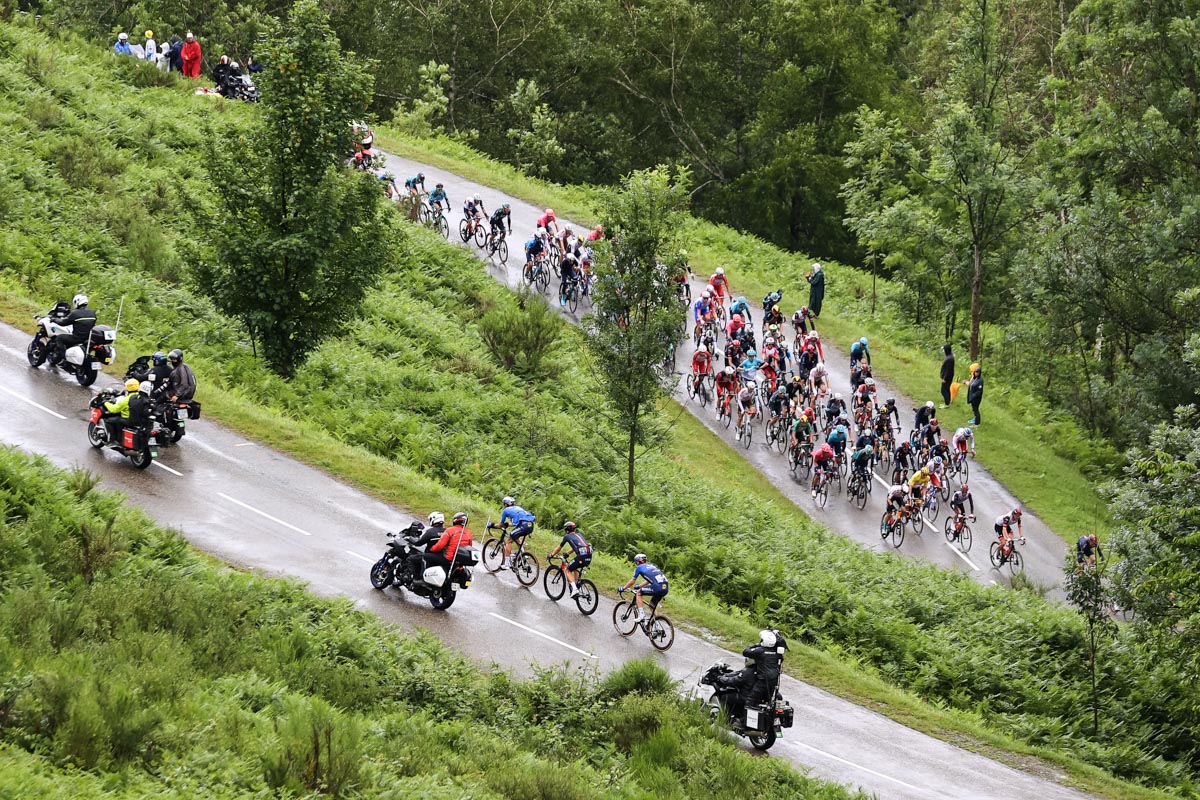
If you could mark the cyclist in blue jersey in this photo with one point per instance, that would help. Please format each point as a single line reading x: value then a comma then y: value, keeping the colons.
x: 438, y: 200
x: 837, y: 439
x: 655, y: 586
x: 533, y: 248
x: 523, y: 521
x: 750, y: 366
x: 740, y: 306
x: 860, y: 352
x: 412, y: 183
x: 702, y: 309
x: 581, y: 554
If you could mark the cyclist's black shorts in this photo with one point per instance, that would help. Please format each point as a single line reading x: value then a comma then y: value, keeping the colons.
x: 654, y: 597
x: 519, y: 533
x: 579, y: 562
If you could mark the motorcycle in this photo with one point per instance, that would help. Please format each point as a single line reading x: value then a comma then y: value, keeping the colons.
x: 83, y: 362
x: 139, y: 444
x: 240, y: 87
x: 435, y: 583
x: 173, y: 414
x: 761, y: 724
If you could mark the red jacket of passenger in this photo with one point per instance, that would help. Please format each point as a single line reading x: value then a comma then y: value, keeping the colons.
x: 191, y: 59
x: 451, y: 540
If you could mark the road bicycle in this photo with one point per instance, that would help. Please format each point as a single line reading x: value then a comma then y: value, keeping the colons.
x: 927, y: 510
x: 891, y: 525
x: 725, y: 408
x: 471, y: 227
x: 554, y: 581
x: 658, y: 629
x: 1006, y: 553
x: 435, y: 218
x: 699, y: 388
x: 960, y: 466
x: 497, y: 245
x: 536, y: 274
x: 777, y: 432
x: 821, y: 479
x: 524, y: 565
x: 745, y: 428
x: 800, y: 460
x: 958, y: 531
x: 858, y: 488
x: 568, y: 294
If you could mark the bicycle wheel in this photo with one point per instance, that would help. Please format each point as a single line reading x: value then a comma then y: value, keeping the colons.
x: 464, y: 230
x: 502, y: 251
x: 573, y: 298
x: 933, y: 508
x: 860, y: 495
x: 527, y: 273
x: 690, y: 384
x: 949, y: 529
x: 554, y: 582
x: 964, y: 470
x: 897, y: 532
x: 964, y: 538
x: 822, y: 495
x: 442, y: 226
x: 805, y: 468
x: 918, y: 522
x: 728, y: 413
x: 661, y: 633
x: 493, y: 554
x: 527, y: 569
x: 843, y: 466
x: 1015, y: 562
x: 588, y: 598
x: 994, y: 555
x: 885, y: 529
x: 625, y: 617
x: 543, y: 277
x: 480, y: 236
x: 749, y: 426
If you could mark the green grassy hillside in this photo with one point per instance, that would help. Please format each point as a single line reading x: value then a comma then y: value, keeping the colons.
x: 410, y: 405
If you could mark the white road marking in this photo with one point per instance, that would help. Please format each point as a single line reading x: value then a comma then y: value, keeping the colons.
x: 364, y: 558
x: 544, y: 636
x: 246, y: 444
x: 24, y: 399
x: 953, y: 549
x: 264, y: 514
x: 161, y: 465
x: 856, y: 766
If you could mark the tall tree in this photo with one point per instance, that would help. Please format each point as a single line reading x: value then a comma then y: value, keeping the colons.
x: 635, y: 326
x: 298, y: 237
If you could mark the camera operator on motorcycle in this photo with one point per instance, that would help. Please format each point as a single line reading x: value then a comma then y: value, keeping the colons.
x: 437, y: 526
x: 181, y: 383
x: 130, y: 410
x: 757, y: 682
x: 81, y: 319
x: 442, y: 552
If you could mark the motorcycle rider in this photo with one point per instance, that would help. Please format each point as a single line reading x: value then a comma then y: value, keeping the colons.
x: 757, y: 682
x: 415, y: 563
x: 132, y: 409
x: 160, y: 370
x: 181, y: 383
x: 81, y: 319
x: 442, y: 552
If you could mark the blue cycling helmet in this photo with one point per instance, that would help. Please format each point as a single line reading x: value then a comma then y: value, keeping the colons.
x: 840, y: 430
x: 751, y: 353
x: 863, y: 341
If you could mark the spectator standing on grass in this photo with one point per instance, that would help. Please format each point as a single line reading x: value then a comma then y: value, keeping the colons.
x: 975, y: 393
x: 122, y: 47
x: 174, y: 55
x: 947, y: 374
x: 192, y: 56
x: 816, y: 289
x: 151, y: 48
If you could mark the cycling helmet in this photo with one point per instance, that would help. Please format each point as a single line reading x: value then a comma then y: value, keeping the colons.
x: 460, y: 518
x: 159, y: 358
x: 508, y: 501
x: 767, y: 638
x: 439, y: 186
x: 475, y: 197
x: 720, y: 270
x: 937, y: 460
x: 1016, y: 512
x: 706, y: 294
x: 751, y: 385
x: 132, y: 385
x: 505, y: 206
x: 737, y: 317
x: 869, y: 382
x: 728, y: 370
x: 235, y: 66
x: 869, y: 450
x: 929, y: 404
x: 175, y: 355
x: 702, y: 349
x: 797, y: 379
x: 837, y: 395
x: 420, y: 176
x: 968, y: 433
x: 751, y: 353
x: 769, y: 341
x: 437, y: 518
x: 146, y: 387
x: 1092, y: 538
x: 549, y: 212
x: 891, y: 401
x: 569, y: 526
x: 863, y: 341
x: 640, y: 558
x: 964, y: 489
x: 79, y: 300
x: 775, y: 308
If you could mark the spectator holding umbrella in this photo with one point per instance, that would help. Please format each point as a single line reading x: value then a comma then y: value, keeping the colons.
x: 816, y: 289
x: 191, y: 56
x: 947, y: 374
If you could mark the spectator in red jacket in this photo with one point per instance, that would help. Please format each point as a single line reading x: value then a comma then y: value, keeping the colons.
x: 191, y: 57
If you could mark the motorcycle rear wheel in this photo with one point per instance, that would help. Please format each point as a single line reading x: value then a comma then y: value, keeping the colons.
x: 762, y: 741
x: 86, y: 376
x: 382, y: 574
x: 141, y: 458
x: 443, y: 598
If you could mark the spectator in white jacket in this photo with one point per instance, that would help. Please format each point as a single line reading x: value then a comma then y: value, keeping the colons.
x: 151, y: 48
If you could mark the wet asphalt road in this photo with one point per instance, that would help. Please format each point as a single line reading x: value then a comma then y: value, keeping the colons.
x: 256, y: 508
x: 1044, y: 551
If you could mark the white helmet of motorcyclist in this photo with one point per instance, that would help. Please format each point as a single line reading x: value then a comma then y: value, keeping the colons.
x: 79, y: 301
x: 767, y: 638
x: 437, y: 518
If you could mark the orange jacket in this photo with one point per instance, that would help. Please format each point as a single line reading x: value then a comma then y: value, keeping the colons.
x: 451, y: 540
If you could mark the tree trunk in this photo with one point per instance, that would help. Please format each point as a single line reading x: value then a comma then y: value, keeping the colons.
x: 1095, y: 698
x: 976, y: 301
x: 632, y: 444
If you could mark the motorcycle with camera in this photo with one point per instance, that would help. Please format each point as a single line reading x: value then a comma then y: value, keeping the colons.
x: 437, y: 584
x: 139, y: 443
x: 721, y: 689
x: 84, y: 361
x: 174, y: 414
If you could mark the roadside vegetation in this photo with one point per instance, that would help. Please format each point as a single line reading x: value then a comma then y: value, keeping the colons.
x: 414, y: 386
x: 133, y: 667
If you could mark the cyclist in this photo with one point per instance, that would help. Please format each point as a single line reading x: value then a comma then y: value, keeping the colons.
x: 801, y: 320
x: 860, y: 352
x: 837, y: 439
x: 727, y: 383
x: 499, y: 217
x: 596, y: 234
x: 958, y: 504
x: 860, y: 460
x: 733, y: 351
x: 806, y: 359
x: 513, y: 514
x: 962, y: 439
x: 778, y: 401
x: 818, y: 381
x: 569, y: 269
x: 749, y: 367
x: 389, y: 185
x: 903, y: 460
x: 701, y: 362
x: 917, y: 483
x: 1086, y: 550
x: 438, y: 200
x: 1004, y: 532
x: 804, y: 431
x: 474, y: 212
x: 929, y: 435
x: 823, y: 460
x: 924, y: 414
x: 655, y: 586
x: 533, y: 248
x: 720, y: 285
x: 773, y: 355
x: 814, y: 339
x: 415, y: 181
x: 745, y: 401
x: 897, y: 501
x: 547, y: 224
x: 740, y: 306
x: 772, y: 316
x: 581, y: 554
x: 866, y: 438
x: 889, y: 410
x: 734, y: 328
x: 795, y: 390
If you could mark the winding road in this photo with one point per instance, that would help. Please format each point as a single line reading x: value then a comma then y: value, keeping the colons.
x: 253, y: 507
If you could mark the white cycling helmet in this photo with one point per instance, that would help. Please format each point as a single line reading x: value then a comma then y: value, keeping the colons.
x: 437, y: 518
x: 720, y: 270
x: 929, y: 404
x: 702, y: 349
x: 837, y: 396
x: 475, y: 197
x: 728, y: 370
x: 640, y: 558
x: 79, y: 300
x: 508, y: 501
